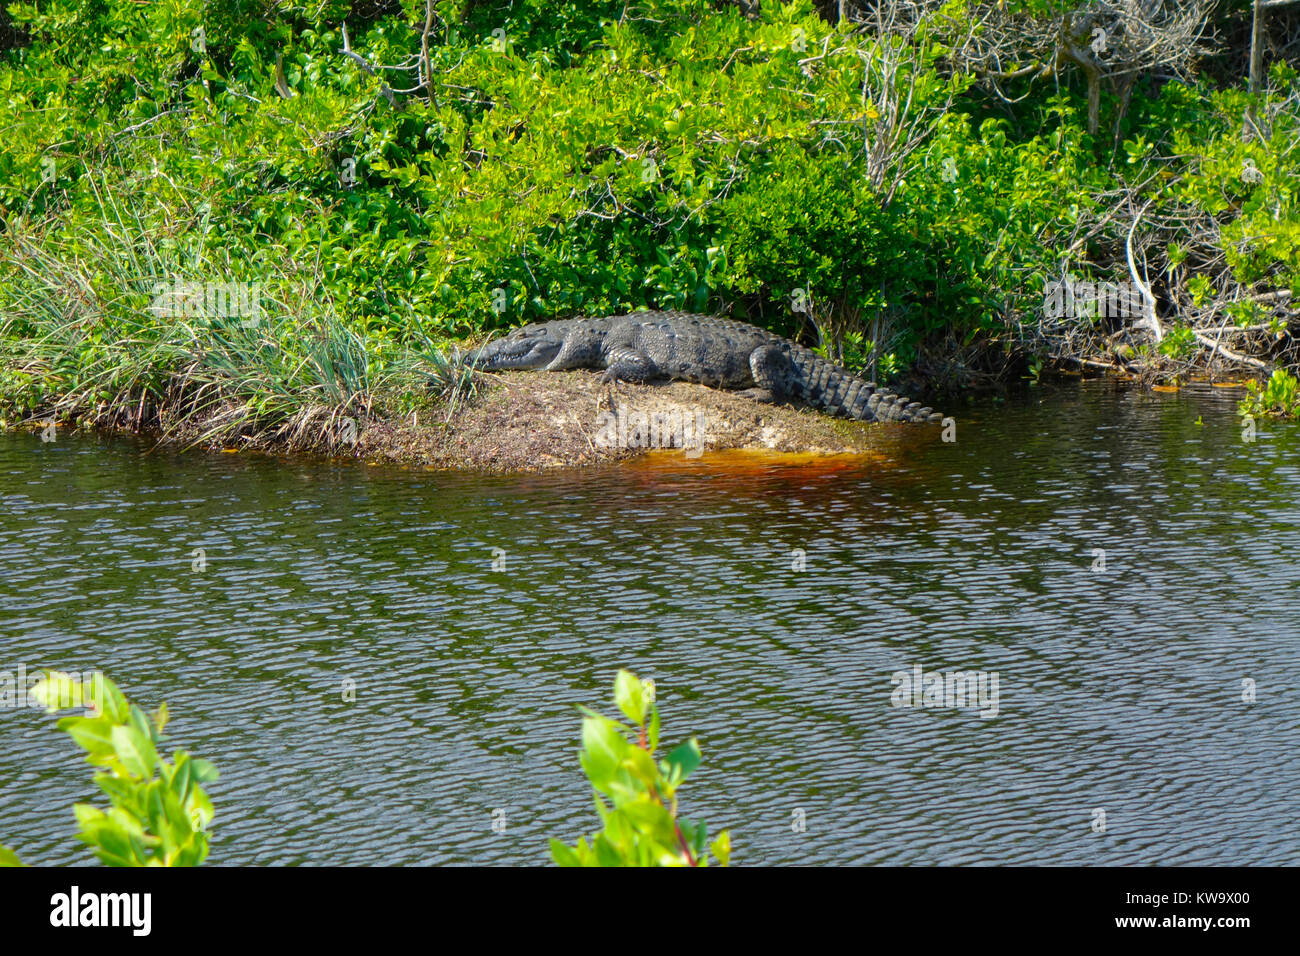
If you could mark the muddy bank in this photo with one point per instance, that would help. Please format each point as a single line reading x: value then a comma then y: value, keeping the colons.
x: 529, y: 421
x: 526, y: 422
x: 534, y: 422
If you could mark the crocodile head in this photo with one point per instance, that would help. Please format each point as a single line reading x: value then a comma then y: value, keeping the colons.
x: 533, y: 346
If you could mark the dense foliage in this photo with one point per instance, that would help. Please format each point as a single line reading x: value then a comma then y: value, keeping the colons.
x: 391, y: 175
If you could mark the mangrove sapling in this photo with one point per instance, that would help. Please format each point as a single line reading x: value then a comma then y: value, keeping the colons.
x: 636, y: 796
x: 1278, y: 397
x: 159, y: 812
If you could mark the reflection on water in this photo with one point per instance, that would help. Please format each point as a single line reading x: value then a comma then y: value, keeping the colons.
x: 772, y: 600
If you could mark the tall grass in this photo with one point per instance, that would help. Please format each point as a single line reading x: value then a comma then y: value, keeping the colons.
x: 90, y: 334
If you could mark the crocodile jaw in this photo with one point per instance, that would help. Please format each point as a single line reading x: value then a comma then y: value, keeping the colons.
x: 516, y: 353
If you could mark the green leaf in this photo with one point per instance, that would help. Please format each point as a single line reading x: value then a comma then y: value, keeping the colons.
x: 135, y: 750
x: 115, y: 705
x: 177, y: 826
x: 699, y: 838
x: 652, y: 733
x: 606, y: 853
x: 122, y: 791
x: 721, y: 847
x: 204, y: 771
x: 182, y: 776
x: 114, y: 845
x: 94, y: 734
x: 683, y: 761
x: 161, y: 717
x: 603, y: 748
x: 9, y: 858
x: 140, y: 721
x: 156, y: 812
x: 199, y: 809
x: 630, y: 696
x: 564, y: 855
x: 642, y: 765
x: 87, y: 815
x: 650, y: 817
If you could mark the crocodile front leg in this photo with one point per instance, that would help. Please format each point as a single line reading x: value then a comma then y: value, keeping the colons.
x: 625, y: 359
x: 626, y: 364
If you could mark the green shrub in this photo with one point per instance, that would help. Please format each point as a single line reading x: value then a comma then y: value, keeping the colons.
x: 158, y: 810
x: 603, y: 158
x: 1278, y: 397
x: 636, y: 796
x: 594, y: 163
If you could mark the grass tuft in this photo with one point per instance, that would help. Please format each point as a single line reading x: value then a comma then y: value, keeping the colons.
x: 115, y: 322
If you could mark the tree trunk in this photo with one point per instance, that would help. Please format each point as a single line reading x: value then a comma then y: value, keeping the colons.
x: 1257, y: 47
x: 1094, y: 99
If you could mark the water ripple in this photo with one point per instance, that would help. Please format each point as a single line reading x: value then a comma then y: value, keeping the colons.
x: 1121, y: 568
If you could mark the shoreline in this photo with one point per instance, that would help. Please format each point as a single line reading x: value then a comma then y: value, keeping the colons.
x: 531, y: 422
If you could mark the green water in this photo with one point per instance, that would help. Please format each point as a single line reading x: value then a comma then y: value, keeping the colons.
x: 1119, y: 690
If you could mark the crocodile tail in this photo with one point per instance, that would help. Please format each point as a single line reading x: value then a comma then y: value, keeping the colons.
x: 839, y: 392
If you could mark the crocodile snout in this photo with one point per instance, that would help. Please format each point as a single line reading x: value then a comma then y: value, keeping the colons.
x: 516, y: 352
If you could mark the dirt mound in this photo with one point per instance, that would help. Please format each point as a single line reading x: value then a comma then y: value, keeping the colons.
x: 529, y: 421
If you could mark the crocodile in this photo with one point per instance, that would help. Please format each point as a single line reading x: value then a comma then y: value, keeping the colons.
x: 723, y: 353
